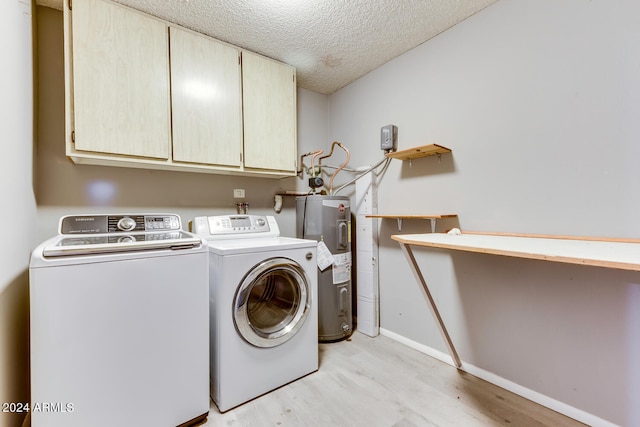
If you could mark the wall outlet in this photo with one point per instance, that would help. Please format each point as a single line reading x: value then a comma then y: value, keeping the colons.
x: 238, y: 193
x: 389, y: 138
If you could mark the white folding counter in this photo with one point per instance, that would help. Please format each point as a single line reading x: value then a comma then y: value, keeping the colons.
x: 621, y: 254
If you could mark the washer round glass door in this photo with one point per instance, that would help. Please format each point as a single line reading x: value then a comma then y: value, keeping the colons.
x: 272, y: 302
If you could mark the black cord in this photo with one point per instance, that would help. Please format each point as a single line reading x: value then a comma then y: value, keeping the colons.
x: 304, y: 217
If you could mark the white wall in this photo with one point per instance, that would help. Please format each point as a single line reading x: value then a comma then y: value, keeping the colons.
x: 16, y: 193
x: 540, y: 103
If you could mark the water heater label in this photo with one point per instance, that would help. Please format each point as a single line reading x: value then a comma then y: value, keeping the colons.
x: 342, y: 268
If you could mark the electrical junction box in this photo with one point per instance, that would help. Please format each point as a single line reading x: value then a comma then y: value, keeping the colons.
x: 389, y: 138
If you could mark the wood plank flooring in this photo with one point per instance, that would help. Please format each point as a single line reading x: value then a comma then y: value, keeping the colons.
x: 379, y: 382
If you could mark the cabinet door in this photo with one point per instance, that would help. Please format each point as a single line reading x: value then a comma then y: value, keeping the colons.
x: 269, y: 102
x: 206, y: 100
x: 120, y: 81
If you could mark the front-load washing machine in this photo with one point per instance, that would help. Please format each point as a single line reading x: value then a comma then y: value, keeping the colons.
x: 264, y: 315
x: 119, y: 324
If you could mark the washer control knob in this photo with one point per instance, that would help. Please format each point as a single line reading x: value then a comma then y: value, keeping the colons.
x: 126, y: 224
x: 261, y: 222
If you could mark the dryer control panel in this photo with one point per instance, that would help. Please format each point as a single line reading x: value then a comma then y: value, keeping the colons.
x: 235, y: 226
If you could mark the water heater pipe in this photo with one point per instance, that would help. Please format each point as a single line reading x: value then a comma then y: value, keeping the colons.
x: 310, y: 153
x: 313, y: 158
x: 346, y: 162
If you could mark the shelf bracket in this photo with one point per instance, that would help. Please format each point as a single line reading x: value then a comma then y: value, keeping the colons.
x: 408, y: 253
x: 431, y: 220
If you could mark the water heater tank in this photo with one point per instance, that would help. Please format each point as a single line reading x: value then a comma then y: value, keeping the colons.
x: 327, y: 219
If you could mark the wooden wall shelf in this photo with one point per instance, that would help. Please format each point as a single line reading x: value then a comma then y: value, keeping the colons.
x: 418, y: 152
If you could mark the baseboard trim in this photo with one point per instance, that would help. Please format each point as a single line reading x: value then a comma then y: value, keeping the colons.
x: 541, y: 399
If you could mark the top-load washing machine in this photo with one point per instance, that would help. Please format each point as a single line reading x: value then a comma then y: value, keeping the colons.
x: 264, y: 315
x: 119, y: 324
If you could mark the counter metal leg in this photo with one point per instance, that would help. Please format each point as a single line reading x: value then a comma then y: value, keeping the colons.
x: 406, y: 249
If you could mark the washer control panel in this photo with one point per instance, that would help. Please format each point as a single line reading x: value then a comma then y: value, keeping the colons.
x: 105, y: 224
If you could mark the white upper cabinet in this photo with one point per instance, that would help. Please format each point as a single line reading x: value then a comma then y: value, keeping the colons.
x: 206, y: 95
x: 120, y: 81
x: 142, y: 92
x: 269, y: 99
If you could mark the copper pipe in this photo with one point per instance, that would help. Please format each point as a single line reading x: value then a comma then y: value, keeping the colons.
x: 330, y: 153
x: 313, y: 158
x: 346, y: 162
x: 310, y: 153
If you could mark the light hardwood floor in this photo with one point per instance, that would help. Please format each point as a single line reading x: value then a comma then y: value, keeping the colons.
x: 375, y: 382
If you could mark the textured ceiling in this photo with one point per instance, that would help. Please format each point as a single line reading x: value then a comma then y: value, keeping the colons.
x: 331, y: 42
